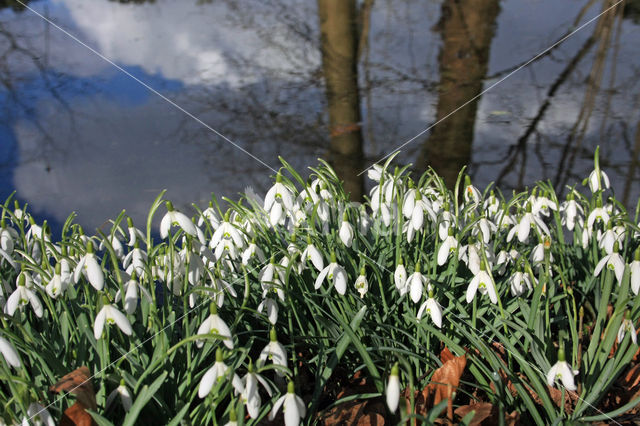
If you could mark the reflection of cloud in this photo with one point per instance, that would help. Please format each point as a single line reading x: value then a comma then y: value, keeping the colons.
x: 124, y: 164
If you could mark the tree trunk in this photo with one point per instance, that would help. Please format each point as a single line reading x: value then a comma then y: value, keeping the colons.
x: 339, y: 45
x: 467, y: 27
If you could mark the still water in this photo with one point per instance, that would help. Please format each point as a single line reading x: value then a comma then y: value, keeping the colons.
x: 79, y: 134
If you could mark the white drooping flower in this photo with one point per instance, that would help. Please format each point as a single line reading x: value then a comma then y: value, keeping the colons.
x: 57, y: 285
x: 612, y: 261
x: 361, y: 284
x: 278, y: 201
x: 433, y: 308
x: 23, y: 296
x: 598, y: 180
x: 226, y: 238
x: 482, y: 282
x: 571, y: 213
x: 273, y: 351
x: 563, y: 371
x: 520, y: 282
x: 111, y: 315
x: 9, y: 353
x: 608, y: 238
x: 634, y: 266
x: 125, y: 397
x: 449, y: 245
x: 218, y: 372
x: 250, y: 392
x: 598, y: 214
x: 336, y: 275
x: 416, y: 282
x: 90, y: 268
x: 400, y: 279
x: 313, y: 254
x: 38, y: 415
x: 271, y: 306
x: 135, y: 235
x: 131, y: 289
x: 346, y: 233
x: 292, y: 405
x: 136, y: 260
x: 527, y: 222
x: 215, y: 325
x: 393, y: 389
x: 174, y: 217
x: 252, y: 251
x: 627, y: 326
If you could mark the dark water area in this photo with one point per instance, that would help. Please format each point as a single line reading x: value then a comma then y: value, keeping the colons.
x: 349, y: 81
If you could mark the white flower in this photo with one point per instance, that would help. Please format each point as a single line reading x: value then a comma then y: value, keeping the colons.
x: 571, y: 212
x: 334, y: 273
x: 346, y: 232
x: 449, y: 245
x: 527, y: 222
x: 292, y: 405
x: 599, y: 214
x: 561, y: 370
x: 174, y: 217
x: 596, y: 180
x: 472, y: 195
x: 612, y: 235
x: 39, y: 415
x: 250, y: 393
x: 627, y: 325
x: 215, y: 325
x: 22, y: 296
x: 57, y: 285
x: 482, y: 281
x: 135, y: 234
x: 519, y: 283
x: 90, y: 268
x: 433, y: 308
x: 612, y: 261
x: 111, y: 315
x: 125, y: 396
x: 400, y: 279
x: 274, y: 351
x: 271, y: 307
x: 634, y: 266
x: 278, y: 200
x: 226, y: 232
x: 131, y: 288
x: 416, y: 282
x: 393, y: 389
x: 217, y: 373
x: 9, y: 353
x: 135, y: 260
x: 252, y: 251
x: 361, y: 284
x: 313, y: 254
x: 115, y: 244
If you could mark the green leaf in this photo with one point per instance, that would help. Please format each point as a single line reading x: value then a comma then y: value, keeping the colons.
x: 145, y: 395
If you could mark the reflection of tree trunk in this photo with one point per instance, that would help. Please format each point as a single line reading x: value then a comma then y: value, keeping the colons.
x: 467, y: 27
x: 339, y: 44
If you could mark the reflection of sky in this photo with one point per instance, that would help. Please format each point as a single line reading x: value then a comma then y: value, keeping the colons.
x: 91, y: 140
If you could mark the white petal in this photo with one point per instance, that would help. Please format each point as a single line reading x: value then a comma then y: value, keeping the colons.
x: 393, y: 393
x: 473, y: 287
x: 291, y: 414
x: 120, y: 319
x: 340, y: 277
x: 321, y: 277
x: 436, y: 312
x: 98, y: 325
x: 207, y: 381
x: 9, y: 353
x: 94, y: 272
x: 35, y: 302
x: 601, y: 264
x: 276, y: 407
x: 165, y: 224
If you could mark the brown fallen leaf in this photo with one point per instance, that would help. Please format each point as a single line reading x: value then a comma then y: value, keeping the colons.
x: 444, y: 383
x: 78, y: 383
x: 482, y: 411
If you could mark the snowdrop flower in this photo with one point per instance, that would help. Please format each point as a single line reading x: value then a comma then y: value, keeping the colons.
x: 612, y: 261
x: 598, y: 214
x: 446, y: 222
x: 110, y: 315
x: 627, y: 325
x: 400, y: 279
x: 484, y: 227
x: 135, y: 234
x: 313, y: 254
x: 539, y: 251
x: 571, y: 213
x: 131, y: 289
x: 433, y: 308
x: 274, y: 351
x: 520, y: 282
x: 504, y: 259
x: 598, y: 180
x: 346, y: 231
x: 209, y: 214
x: 136, y: 260
x: 215, y: 325
x: 278, y: 201
x: 226, y: 232
x: 492, y: 204
x: 250, y: 393
x: 561, y: 370
x: 271, y: 306
x: 174, y: 217
x: 39, y: 415
x: 613, y: 234
x: 634, y: 266
x: 269, y: 279
x: 393, y: 389
x: 22, y: 296
x: 57, y: 285
x: 483, y: 282
x: 472, y: 195
x: 90, y: 268
x: 416, y: 282
x: 292, y: 405
x: 542, y: 205
x: 361, y: 284
x: 527, y: 222
x: 335, y: 274
x: 125, y: 396
x: 449, y: 245
x: 115, y: 244
x: 215, y: 374
x: 470, y: 255
x: 9, y: 353
x: 252, y: 251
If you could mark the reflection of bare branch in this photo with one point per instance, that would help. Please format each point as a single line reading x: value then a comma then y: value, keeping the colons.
x: 520, y: 147
x: 603, y: 34
x: 633, y: 165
